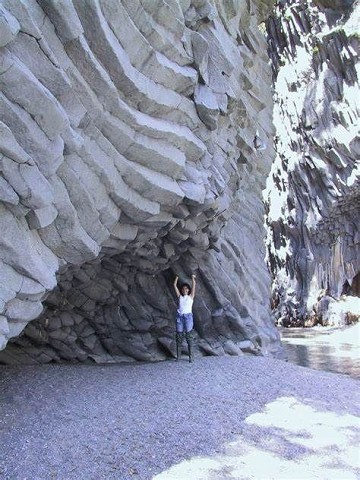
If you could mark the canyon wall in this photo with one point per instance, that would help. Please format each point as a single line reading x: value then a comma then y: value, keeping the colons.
x: 313, y: 191
x: 135, y: 139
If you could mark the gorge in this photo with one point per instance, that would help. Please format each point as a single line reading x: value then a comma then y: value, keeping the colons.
x: 137, y: 139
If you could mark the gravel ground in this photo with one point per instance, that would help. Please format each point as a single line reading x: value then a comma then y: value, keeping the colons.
x: 216, y: 419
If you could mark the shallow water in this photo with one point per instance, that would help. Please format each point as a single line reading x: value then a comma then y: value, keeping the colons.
x: 332, y: 349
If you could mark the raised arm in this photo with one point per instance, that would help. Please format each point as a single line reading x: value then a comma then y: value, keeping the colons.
x: 193, y: 285
x: 176, y: 287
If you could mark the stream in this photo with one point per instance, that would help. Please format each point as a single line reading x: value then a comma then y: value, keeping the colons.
x: 324, y: 348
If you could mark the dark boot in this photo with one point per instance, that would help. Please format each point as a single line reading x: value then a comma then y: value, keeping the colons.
x: 179, y: 338
x: 188, y: 337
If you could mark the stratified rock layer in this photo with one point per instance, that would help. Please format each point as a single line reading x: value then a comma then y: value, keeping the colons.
x: 130, y: 151
x: 313, y: 188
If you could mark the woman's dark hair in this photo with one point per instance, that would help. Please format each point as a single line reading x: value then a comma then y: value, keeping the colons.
x: 185, y: 285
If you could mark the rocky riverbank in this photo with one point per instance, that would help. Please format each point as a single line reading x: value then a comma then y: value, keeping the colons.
x: 221, y: 418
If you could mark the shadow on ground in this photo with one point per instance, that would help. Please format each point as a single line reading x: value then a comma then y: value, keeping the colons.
x: 287, y: 440
x: 216, y: 419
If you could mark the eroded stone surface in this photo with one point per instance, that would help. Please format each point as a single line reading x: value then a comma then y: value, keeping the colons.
x: 313, y: 188
x: 130, y: 152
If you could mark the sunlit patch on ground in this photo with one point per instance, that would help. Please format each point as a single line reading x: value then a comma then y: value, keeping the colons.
x: 288, y: 440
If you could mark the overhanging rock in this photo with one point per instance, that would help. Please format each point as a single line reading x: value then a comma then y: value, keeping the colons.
x: 116, y: 174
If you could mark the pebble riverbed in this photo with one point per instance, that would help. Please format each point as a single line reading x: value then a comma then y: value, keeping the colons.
x: 215, y: 419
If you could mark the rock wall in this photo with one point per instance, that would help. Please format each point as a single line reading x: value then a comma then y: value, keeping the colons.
x: 136, y: 137
x: 313, y: 190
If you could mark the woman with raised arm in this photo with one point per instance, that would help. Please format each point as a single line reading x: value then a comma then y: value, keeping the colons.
x: 184, y: 316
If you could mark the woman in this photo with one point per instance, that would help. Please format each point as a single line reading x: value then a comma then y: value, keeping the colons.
x: 184, y: 316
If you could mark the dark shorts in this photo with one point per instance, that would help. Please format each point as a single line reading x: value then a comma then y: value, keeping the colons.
x: 184, y: 323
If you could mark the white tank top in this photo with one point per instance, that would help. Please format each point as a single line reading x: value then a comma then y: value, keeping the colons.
x: 185, y: 304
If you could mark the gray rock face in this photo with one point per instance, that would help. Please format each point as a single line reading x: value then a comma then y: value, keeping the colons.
x: 127, y: 155
x: 313, y: 188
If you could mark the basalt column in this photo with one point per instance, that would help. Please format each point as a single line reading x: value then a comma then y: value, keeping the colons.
x: 313, y: 189
x: 136, y: 138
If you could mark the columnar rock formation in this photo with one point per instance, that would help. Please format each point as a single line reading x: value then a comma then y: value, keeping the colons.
x: 313, y: 189
x: 136, y: 137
